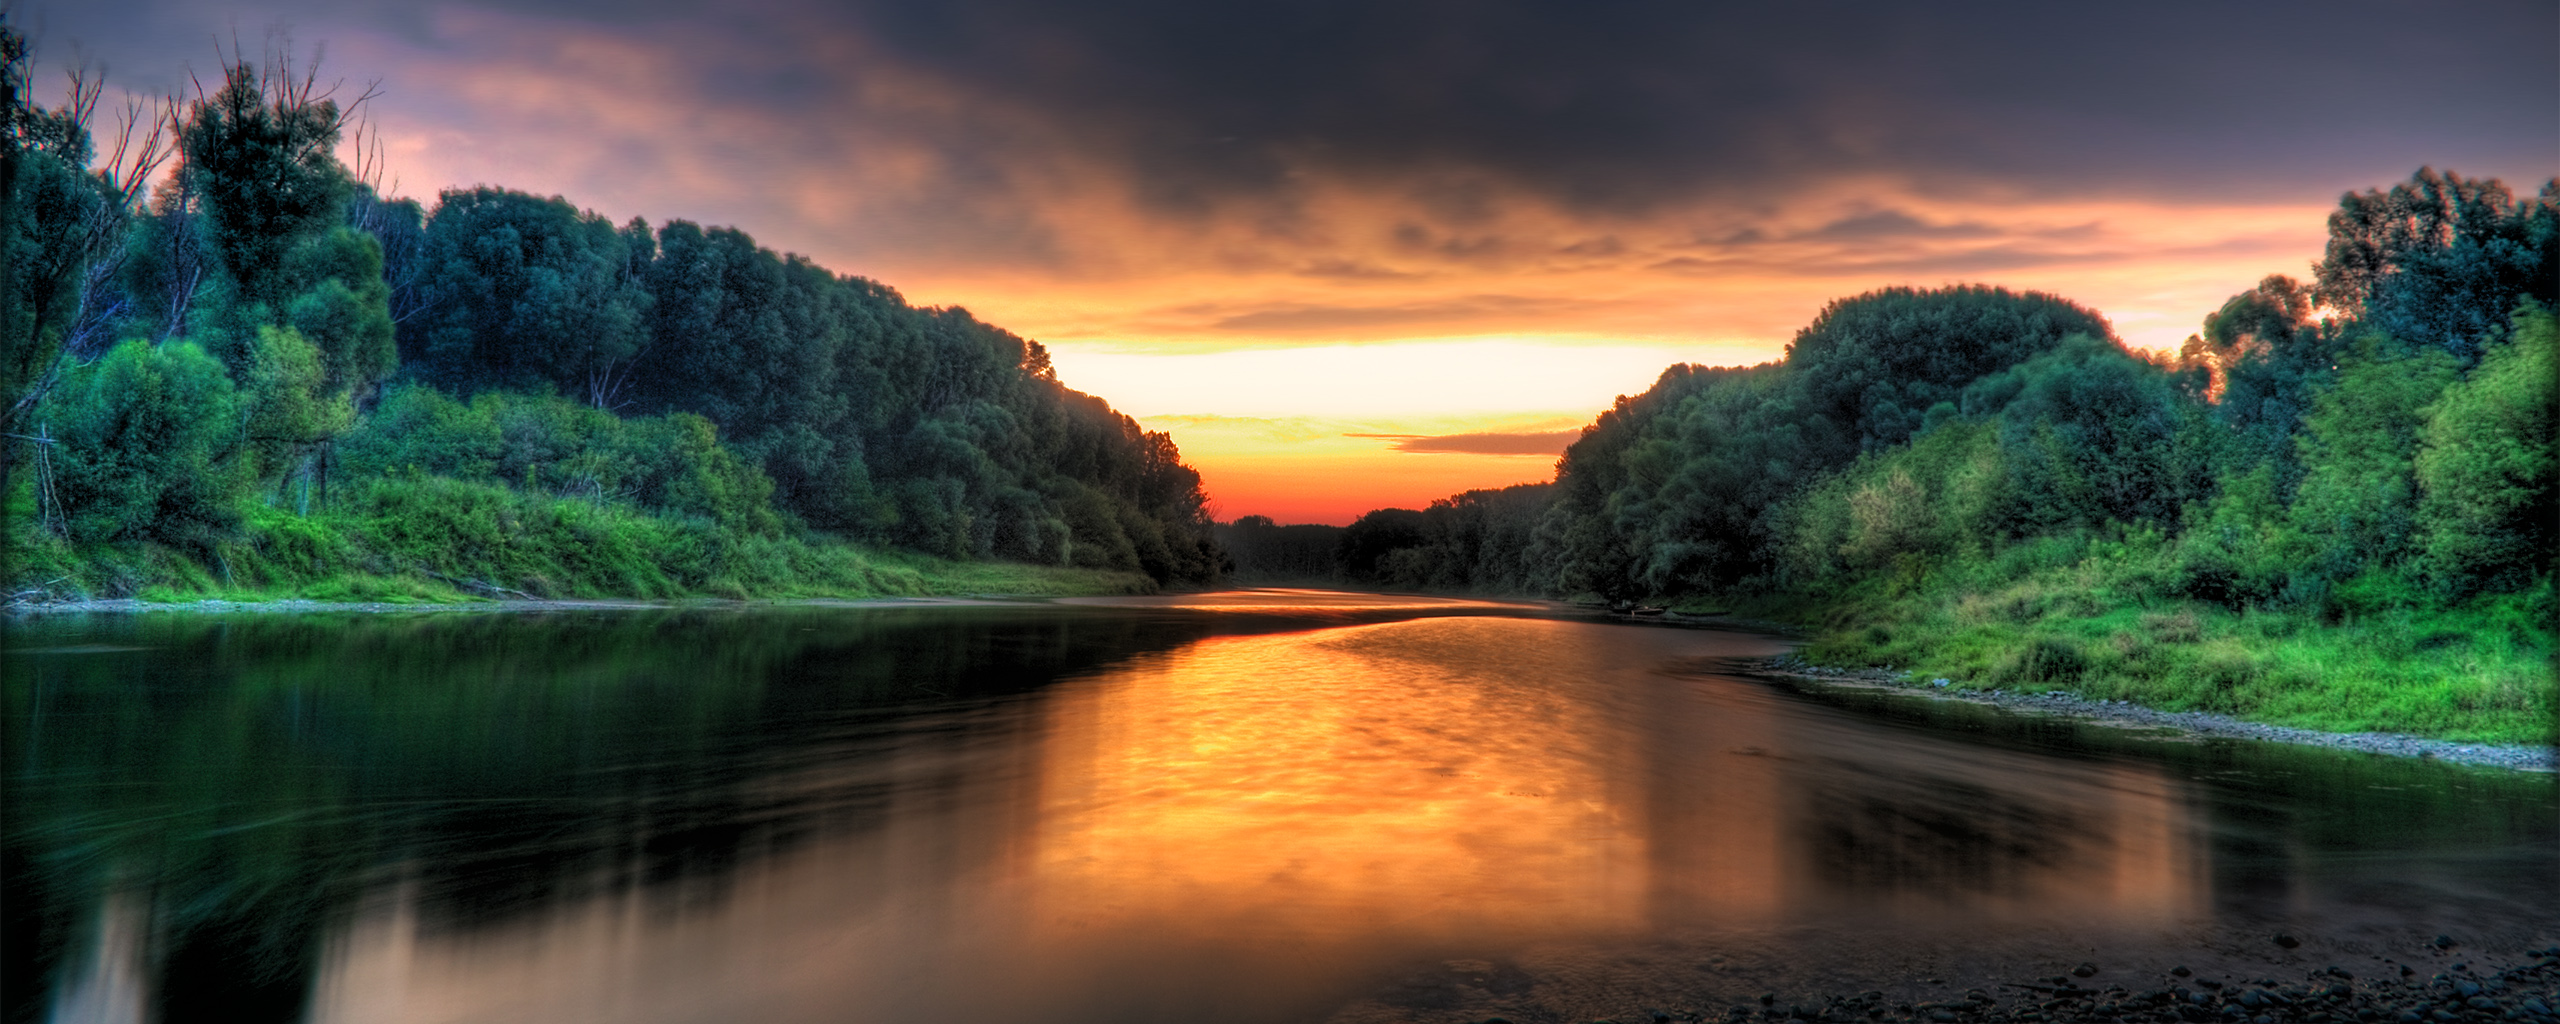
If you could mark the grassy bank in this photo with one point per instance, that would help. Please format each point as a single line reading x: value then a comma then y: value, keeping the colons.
x: 428, y: 540
x: 2083, y: 615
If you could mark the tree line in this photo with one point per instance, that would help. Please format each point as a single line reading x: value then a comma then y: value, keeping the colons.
x: 260, y: 325
x: 2379, y: 436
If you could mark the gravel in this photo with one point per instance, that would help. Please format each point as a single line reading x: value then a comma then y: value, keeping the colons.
x: 2221, y: 976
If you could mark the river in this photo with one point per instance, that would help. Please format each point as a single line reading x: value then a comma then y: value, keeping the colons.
x: 1267, y: 805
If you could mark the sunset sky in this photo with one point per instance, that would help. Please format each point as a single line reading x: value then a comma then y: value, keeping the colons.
x: 1366, y: 253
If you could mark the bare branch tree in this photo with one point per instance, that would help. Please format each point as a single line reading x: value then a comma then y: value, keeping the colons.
x: 607, y: 384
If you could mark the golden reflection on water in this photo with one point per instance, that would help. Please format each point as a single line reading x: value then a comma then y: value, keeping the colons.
x: 1279, y: 814
x: 1435, y: 778
x: 1298, y: 600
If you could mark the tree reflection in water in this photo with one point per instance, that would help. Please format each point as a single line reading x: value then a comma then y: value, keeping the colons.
x: 1113, y: 809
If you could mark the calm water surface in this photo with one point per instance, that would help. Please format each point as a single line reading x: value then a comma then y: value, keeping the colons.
x: 1111, y: 809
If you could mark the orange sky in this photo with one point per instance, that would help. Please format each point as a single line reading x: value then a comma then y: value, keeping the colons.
x: 1279, y: 386
x: 1308, y: 240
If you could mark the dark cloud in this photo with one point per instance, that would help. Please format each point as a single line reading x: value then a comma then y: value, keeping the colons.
x: 1456, y: 110
x: 1551, y: 442
x: 1308, y: 317
x: 1884, y: 224
x: 1352, y: 270
x: 1623, y: 105
x: 1628, y: 103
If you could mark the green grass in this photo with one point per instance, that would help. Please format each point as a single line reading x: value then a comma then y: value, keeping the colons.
x: 2084, y: 617
x: 432, y: 540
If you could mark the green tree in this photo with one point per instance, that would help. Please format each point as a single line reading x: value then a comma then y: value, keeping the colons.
x: 2258, y: 362
x: 63, y: 231
x: 528, y: 293
x: 344, y: 310
x: 1365, y: 546
x: 2091, y: 434
x: 2440, y: 260
x: 148, y: 437
x: 1875, y: 364
x: 2357, y: 503
x: 260, y: 154
x: 287, y: 409
x: 2485, y: 475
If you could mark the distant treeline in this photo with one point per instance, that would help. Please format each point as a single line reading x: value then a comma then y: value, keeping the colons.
x: 2379, y: 435
x: 265, y: 329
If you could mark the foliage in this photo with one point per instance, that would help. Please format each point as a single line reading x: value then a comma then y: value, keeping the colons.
x: 258, y: 151
x: 145, y: 445
x: 923, y: 428
x: 2440, y: 259
x: 1264, y: 552
x: 550, y: 445
x: 1872, y: 366
x: 2344, y: 522
x: 2489, y: 507
x: 2091, y: 435
x: 2258, y: 361
x: 530, y: 293
x: 1900, y: 511
x: 1366, y: 544
x: 436, y: 539
x: 713, y: 379
x: 2357, y: 503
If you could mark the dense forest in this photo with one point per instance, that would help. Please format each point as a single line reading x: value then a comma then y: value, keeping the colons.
x: 2335, y: 504
x: 233, y: 364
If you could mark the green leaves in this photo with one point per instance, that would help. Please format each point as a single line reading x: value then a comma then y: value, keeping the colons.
x: 529, y: 293
x: 345, y: 310
x: 1875, y: 363
x: 259, y: 152
x: 2091, y: 435
x: 146, y: 440
x: 552, y: 445
x: 2484, y: 469
x: 2440, y: 260
x: 2358, y: 494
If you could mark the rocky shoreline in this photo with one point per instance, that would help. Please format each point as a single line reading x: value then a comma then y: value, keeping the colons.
x: 2193, y: 723
x: 2226, y: 975
x: 2394, y: 992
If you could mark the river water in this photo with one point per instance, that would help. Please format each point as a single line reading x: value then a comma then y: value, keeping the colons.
x: 1268, y: 805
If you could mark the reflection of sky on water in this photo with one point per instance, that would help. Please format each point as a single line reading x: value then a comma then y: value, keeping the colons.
x: 1276, y: 814
x: 1280, y: 600
x: 1258, y: 821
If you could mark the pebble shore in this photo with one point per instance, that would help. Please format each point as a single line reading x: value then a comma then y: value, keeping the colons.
x: 2221, y: 975
x: 2463, y: 991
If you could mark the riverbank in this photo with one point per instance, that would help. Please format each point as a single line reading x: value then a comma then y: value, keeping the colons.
x: 2127, y: 714
x: 218, y: 606
x: 554, y: 551
x: 2478, y: 671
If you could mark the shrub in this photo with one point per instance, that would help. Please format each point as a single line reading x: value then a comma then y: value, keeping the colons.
x: 146, y: 446
x: 2485, y: 472
x: 2049, y: 661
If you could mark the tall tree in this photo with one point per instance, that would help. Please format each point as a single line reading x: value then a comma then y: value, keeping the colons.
x: 260, y: 151
x: 2440, y: 259
x: 63, y: 231
x: 529, y: 292
x: 1875, y: 364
